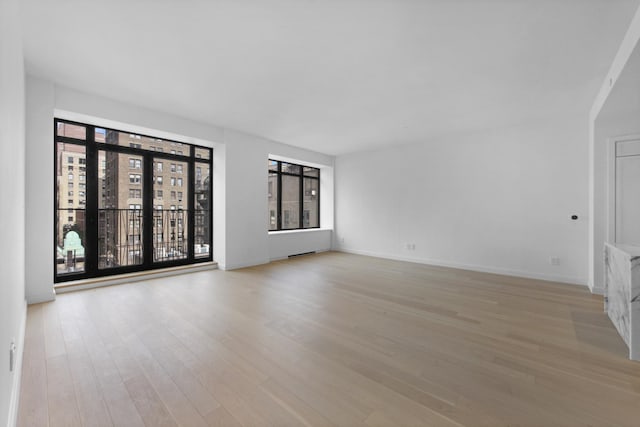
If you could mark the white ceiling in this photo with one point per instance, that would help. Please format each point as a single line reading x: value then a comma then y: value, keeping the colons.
x: 334, y: 76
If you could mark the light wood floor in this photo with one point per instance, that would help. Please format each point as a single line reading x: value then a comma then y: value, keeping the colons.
x: 328, y: 339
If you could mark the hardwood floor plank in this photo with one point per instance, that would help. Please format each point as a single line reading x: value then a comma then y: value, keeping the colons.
x: 34, y: 406
x: 63, y: 406
x: 331, y: 339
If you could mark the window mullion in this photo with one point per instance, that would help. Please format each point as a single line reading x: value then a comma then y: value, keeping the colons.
x: 91, y: 206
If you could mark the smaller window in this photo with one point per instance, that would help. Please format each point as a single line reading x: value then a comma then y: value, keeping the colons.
x: 173, y: 167
x: 159, y: 166
x: 179, y: 182
x: 179, y: 195
x: 179, y: 168
x: 70, y: 159
x: 293, y: 196
x: 173, y: 181
x: 159, y: 180
x: 173, y: 195
x: 159, y: 194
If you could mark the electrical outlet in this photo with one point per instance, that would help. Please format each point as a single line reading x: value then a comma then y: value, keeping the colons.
x: 12, y: 356
x: 342, y: 240
x: 554, y: 260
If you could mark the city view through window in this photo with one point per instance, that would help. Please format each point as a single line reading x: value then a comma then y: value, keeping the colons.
x: 128, y: 202
x: 293, y: 196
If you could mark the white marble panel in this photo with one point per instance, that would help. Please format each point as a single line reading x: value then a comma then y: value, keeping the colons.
x: 634, y: 310
x: 622, y: 293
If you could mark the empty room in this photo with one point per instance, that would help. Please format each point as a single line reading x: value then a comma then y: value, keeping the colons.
x: 320, y: 213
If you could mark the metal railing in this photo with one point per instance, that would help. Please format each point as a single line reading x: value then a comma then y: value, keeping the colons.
x: 120, y: 237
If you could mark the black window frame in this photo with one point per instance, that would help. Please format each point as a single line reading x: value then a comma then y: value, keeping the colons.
x: 92, y: 148
x: 301, y: 177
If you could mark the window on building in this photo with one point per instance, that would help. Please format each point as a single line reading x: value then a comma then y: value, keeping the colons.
x: 293, y: 196
x: 135, y: 163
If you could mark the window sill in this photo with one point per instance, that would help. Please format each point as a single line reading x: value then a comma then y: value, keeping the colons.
x: 133, y: 277
x: 304, y: 230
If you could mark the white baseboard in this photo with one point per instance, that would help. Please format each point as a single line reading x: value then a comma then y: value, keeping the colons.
x: 472, y: 267
x: 17, y: 373
x: 227, y: 267
x: 596, y: 290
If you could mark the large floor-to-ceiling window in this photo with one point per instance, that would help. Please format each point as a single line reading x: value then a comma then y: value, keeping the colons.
x: 127, y: 202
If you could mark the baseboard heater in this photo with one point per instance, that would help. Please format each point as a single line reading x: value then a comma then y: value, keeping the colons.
x: 300, y: 254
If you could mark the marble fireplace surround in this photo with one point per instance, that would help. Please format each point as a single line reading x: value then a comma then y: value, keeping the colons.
x: 622, y: 293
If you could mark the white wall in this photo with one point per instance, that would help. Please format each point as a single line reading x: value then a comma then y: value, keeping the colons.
x: 619, y: 116
x: 247, y: 218
x: 39, y: 191
x: 615, y: 112
x: 497, y: 201
x: 285, y: 243
x: 12, y: 222
x: 240, y: 178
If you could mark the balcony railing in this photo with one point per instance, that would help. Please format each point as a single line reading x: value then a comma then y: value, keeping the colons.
x: 121, y: 238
